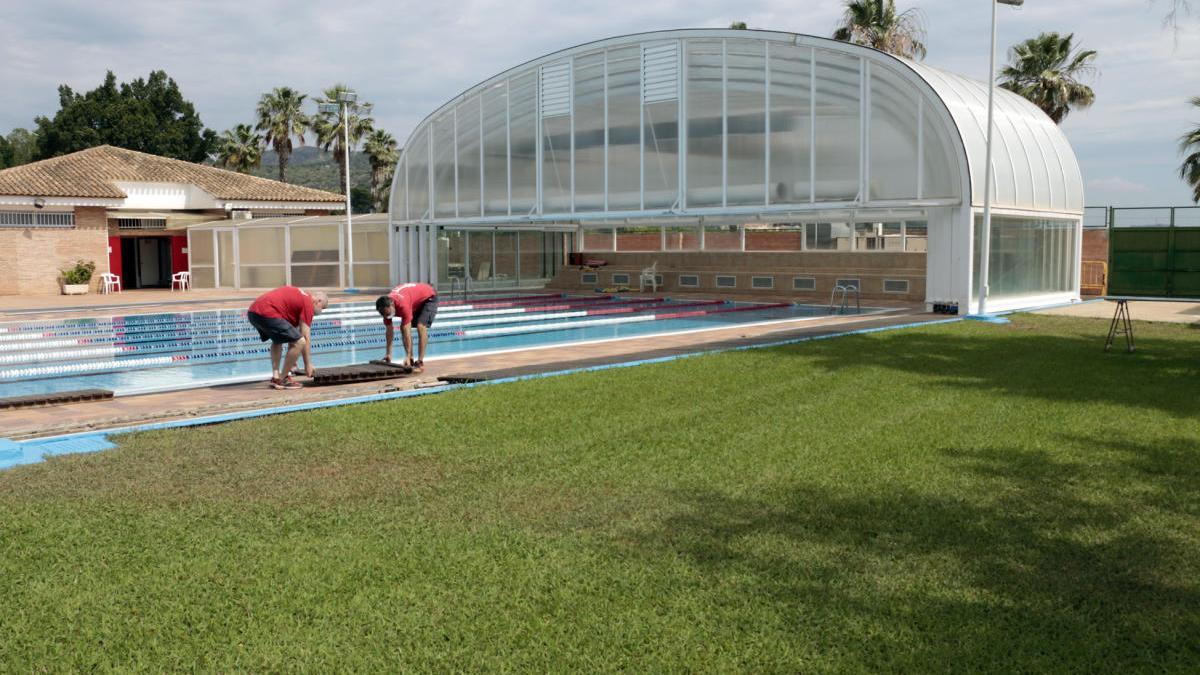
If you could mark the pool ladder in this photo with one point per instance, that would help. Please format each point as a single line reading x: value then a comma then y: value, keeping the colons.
x: 843, y: 293
x: 459, y: 281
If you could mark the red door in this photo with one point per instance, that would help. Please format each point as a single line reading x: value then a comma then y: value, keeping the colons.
x: 114, y: 257
x: 179, y: 257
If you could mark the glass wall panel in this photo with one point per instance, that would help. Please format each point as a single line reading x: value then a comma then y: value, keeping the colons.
x: 624, y: 130
x: 722, y: 238
x: 200, y: 248
x: 827, y: 236
x: 556, y: 164
x: 452, y: 256
x: 791, y: 124
x: 370, y: 242
x: 589, y: 132
x: 893, y: 146
x: 644, y: 238
x: 597, y: 240
x: 315, y: 276
x: 939, y: 169
x: 417, y: 156
x: 837, y: 121
x: 400, y: 208
x: 916, y: 236
x: 522, y: 96
x: 704, y: 72
x: 469, y: 203
x: 261, y: 245
x: 371, y: 275
x: 780, y: 237
x: 226, y: 260
x: 443, y: 165
x: 263, y: 277
x: 533, y: 248
x: 868, y: 237
x: 315, y: 244
x: 745, y: 105
x: 682, y: 238
x: 505, y: 274
x: 479, y: 256
x: 495, y: 150
x: 203, y: 277
x: 662, y: 154
x: 1029, y: 256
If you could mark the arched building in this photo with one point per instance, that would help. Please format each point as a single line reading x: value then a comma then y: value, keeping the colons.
x: 746, y: 160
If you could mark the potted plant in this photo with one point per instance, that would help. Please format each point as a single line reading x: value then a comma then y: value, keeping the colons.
x: 75, y: 280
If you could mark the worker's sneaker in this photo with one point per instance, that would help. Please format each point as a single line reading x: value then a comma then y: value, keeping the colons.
x: 285, y: 383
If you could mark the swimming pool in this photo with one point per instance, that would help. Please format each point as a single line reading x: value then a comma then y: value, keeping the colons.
x: 144, y: 353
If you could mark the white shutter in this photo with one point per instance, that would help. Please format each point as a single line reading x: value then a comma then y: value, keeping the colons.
x: 556, y: 89
x: 660, y: 72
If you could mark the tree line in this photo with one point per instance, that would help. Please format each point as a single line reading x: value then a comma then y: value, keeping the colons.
x: 151, y: 115
x: 281, y: 119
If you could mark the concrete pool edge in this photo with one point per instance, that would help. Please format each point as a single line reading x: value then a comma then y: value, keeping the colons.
x: 17, y: 453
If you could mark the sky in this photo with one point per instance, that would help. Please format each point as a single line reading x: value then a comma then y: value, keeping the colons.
x: 407, y: 58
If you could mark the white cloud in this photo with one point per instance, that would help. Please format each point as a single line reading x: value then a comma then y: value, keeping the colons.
x: 1117, y: 184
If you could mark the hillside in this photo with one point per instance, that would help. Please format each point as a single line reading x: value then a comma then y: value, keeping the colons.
x: 312, y: 167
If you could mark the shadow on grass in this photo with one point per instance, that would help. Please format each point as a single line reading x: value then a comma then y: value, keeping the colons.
x: 1070, y: 366
x: 1031, y: 564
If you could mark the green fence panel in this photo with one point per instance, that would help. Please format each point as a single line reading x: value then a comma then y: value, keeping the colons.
x: 1159, y: 262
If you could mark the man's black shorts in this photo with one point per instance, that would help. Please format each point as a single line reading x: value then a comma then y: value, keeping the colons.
x: 425, y: 314
x: 278, y: 331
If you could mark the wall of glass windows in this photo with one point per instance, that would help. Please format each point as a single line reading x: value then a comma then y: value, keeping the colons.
x: 496, y: 259
x: 1028, y: 257
x: 306, y: 251
x: 897, y: 236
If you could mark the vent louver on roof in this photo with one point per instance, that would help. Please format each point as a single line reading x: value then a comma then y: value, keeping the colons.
x: 556, y: 89
x: 660, y: 72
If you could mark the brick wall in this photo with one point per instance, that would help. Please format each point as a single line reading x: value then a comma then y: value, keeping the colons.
x: 1095, y: 244
x: 869, y: 268
x: 30, y: 258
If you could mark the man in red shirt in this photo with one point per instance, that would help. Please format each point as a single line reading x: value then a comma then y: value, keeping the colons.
x: 284, y: 316
x: 412, y: 303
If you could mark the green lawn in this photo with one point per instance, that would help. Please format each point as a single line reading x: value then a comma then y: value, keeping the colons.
x: 962, y: 497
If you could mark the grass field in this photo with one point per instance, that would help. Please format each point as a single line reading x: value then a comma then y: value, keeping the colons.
x: 962, y: 497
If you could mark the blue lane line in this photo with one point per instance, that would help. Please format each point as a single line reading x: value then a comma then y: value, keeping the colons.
x: 14, y: 453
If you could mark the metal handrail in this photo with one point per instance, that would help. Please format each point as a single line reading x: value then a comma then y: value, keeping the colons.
x: 845, y: 296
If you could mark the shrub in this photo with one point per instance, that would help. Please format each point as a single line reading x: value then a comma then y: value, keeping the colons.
x: 81, y: 273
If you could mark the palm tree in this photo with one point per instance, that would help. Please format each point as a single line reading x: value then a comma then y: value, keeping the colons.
x: 280, y: 116
x: 239, y: 149
x: 383, y: 152
x: 328, y: 128
x: 877, y: 24
x: 1189, y: 145
x: 1046, y: 71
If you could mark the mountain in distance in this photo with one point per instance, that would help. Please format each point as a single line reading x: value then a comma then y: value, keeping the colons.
x: 315, y: 168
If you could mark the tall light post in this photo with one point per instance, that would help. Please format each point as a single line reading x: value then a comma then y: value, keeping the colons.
x: 345, y: 97
x: 985, y: 247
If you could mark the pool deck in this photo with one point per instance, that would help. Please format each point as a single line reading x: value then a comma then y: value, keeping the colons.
x: 1139, y: 310
x: 132, y: 410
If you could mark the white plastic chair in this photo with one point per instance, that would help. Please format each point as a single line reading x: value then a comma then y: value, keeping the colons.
x: 649, y: 276
x: 110, y: 283
x: 183, y: 280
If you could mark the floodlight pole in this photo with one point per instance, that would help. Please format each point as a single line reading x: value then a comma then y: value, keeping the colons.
x: 985, y: 246
x: 349, y: 222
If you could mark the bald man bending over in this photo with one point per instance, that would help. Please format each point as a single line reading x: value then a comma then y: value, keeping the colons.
x: 284, y: 316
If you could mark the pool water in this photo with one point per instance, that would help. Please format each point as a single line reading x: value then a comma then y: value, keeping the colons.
x: 160, y: 352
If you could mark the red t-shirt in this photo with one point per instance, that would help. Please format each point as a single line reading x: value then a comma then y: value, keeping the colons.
x: 286, y: 302
x: 407, y: 297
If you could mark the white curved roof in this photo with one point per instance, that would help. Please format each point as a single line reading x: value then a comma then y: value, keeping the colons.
x: 1033, y: 166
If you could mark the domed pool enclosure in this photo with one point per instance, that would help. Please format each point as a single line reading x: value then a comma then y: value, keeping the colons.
x: 738, y: 161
